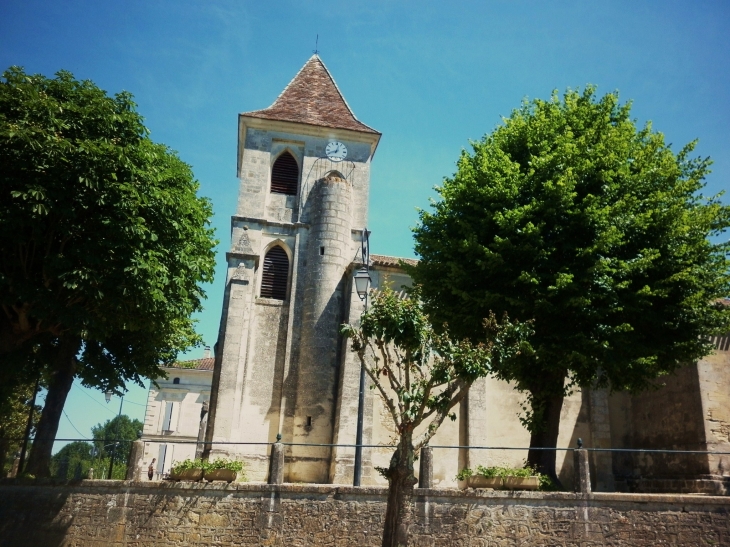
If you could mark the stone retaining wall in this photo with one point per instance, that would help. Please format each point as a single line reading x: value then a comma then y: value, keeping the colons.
x: 135, y: 514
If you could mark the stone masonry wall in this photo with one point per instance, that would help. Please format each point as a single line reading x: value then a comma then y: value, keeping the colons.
x: 133, y: 514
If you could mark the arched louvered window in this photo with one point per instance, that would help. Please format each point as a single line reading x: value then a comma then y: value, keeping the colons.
x: 285, y: 175
x: 275, y: 274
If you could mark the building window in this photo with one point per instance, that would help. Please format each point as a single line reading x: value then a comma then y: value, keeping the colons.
x: 285, y: 175
x: 167, y: 424
x: 176, y: 380
x: 275, y: 274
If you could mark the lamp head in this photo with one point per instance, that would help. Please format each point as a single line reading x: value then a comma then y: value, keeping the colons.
x: 362, y: 282
x: 108, y: 396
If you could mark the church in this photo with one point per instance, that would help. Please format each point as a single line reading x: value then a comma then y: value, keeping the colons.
x: 281, y: 368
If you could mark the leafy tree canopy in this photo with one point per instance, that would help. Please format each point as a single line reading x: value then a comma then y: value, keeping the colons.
x: 104, y: 243
x: 66, y: 461
x: 102, y: 235
x: 81, y: 449
x: 571, y: 215
x: 120, y: 428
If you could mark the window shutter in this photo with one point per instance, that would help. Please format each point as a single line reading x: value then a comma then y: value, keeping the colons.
x: 275, y: 274
x: 168, y: 417
x: 285, y: 175
x: 161, y: 458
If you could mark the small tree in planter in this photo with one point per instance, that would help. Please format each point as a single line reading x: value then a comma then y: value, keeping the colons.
x: 420, y: 375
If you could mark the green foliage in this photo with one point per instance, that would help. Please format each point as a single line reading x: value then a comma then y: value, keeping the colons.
x: 496, y: 471
x: 14, y: 411
x: 65, y: 462
x: 220, y: 463
x: 120, y: 428
x: 421, y: 374
x: 464, y: 474
x: 570, y: 215
x: 102, y: 234
x: 546, y: 482
x: 178, y: 467
x: 97, y: 454
x: 224, y: 463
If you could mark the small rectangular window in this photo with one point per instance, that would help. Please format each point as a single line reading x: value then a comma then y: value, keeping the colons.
x: 309, y: 421
x: 321, y: 250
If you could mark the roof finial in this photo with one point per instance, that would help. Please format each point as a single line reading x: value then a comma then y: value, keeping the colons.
x: 316, y: 46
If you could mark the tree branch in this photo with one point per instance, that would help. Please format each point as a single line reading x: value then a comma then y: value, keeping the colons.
x: 429, y: 432
x: 374, y: 377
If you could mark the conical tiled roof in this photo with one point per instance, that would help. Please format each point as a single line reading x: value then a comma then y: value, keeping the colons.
x: 313, y: 97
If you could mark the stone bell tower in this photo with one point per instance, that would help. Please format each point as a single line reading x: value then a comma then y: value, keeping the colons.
x: 304, y: 170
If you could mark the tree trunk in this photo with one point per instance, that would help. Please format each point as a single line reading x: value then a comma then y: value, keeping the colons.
x: 64, y: 370
x: 545, y: 431
x: 400, y: 492
x: 4, y: 448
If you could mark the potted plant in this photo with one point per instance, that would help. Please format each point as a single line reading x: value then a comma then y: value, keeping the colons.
x: 223, y: 469
x: 187, y: 470
x: 521, y: 479
x: 510, y: 478
x: 485, y: 477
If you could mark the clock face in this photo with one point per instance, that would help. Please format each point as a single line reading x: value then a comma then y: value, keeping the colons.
x: 336, y: 151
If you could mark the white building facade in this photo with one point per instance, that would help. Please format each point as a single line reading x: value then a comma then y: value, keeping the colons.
x: 172, y: 425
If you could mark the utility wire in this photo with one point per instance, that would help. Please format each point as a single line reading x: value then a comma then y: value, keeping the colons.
x: 97, y: 402
x: 72, y: 425
x: 106, y: 407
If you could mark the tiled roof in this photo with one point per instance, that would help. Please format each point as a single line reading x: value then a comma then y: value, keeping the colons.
x: 313, y: 97
x: 196, y: 364
x: 391, y: 261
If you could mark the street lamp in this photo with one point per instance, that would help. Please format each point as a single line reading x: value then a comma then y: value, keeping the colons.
x: 108, y: 397
x: 362, y: 284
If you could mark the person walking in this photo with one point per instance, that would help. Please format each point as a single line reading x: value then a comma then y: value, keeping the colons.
x: 151, y: 469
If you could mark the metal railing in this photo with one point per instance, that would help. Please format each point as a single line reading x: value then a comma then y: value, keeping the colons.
x: 637, y: 464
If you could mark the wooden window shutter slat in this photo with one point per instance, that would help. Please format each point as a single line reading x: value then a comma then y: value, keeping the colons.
x: 285, y: 175
x: 275, y: 274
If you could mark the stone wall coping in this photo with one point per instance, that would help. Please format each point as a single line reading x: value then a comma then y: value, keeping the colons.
x: 379, y: 492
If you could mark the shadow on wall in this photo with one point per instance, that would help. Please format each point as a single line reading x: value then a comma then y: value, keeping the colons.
x: 581, y: 430
x: 281, y: 385
x: 24, y: 522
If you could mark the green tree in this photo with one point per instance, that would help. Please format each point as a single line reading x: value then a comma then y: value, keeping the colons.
x: 14, y: 413
x: 116, y: 435
x: 65, y: 462
x: 570, y: 215
x: 420, y: 375
x: 104, y: 243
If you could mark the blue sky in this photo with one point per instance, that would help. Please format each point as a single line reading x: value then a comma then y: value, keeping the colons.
x: 429, y: 75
